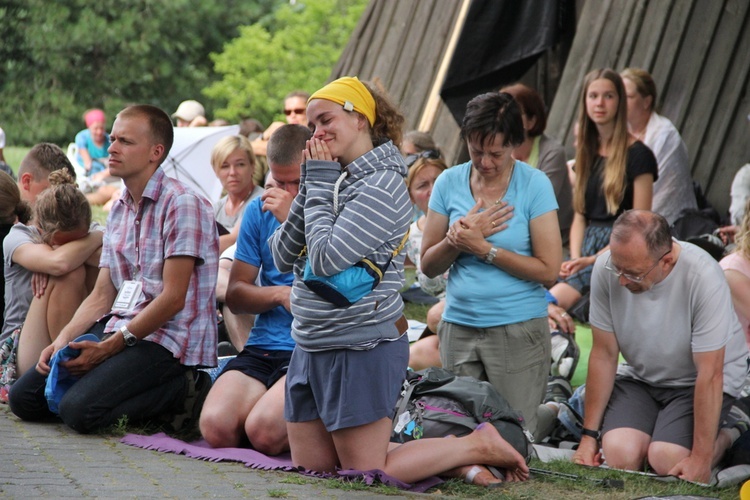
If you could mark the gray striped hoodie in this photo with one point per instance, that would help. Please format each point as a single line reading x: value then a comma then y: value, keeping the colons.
x: 374, y: 214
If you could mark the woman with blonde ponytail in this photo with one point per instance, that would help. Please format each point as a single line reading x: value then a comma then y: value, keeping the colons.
x: 50, y: 266
x: 615, y: 172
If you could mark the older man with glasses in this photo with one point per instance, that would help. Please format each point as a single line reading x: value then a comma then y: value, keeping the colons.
x: 665, y: 305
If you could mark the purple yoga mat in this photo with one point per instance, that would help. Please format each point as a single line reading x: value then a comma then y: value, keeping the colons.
x: 256, y: 460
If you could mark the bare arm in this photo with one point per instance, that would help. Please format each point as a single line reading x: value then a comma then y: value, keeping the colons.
x: 643, y: 191
x: 222, y: 280
x: 41, y: 258
x: 599, y: 383
x: 577, y: 230
x: 86, y: 157
x: 706, y: 410
x: 437, y: 253
x: 229, y: 239
x: 739, y: 284
x: 245, y: 297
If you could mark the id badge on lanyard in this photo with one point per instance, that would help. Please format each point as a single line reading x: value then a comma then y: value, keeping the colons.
x: 128, y: 296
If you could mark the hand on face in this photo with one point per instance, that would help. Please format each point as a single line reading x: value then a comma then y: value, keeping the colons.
x: 318, y: 150
x: 278, y: 202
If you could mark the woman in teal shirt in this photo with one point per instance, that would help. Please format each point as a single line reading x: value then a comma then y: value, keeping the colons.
x: 493, y: 222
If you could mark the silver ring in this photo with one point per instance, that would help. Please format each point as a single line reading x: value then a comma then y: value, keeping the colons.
x: 564, y: 314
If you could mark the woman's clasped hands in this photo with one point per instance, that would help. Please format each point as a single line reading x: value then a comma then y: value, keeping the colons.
x: 470, y: 232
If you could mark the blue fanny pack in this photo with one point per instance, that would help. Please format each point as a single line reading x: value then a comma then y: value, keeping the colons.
x: 350, y: 285
x: 347, y: 287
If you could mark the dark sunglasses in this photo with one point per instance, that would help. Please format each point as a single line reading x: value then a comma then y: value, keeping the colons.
x: 296, y: 111
x: 429, y: 154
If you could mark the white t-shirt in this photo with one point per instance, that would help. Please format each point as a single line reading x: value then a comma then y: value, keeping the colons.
x: 659, y: 330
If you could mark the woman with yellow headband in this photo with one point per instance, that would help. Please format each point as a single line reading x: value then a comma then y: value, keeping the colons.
x: 346, y: 372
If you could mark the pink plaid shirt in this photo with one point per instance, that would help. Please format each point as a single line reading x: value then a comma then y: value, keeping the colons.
x: 170, y: 221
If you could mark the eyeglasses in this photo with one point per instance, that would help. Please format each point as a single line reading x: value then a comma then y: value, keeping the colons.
x: 296, y: 111
x: 429, y: 154
x: 635, y: 279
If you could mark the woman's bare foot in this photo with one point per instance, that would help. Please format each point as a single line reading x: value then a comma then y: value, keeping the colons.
x: 498, y: 452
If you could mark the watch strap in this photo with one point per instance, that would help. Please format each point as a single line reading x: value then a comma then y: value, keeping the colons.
x: 490, y: 257
x: 591, y: 433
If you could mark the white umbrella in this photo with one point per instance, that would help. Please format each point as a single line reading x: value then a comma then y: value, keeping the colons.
x: 189, y: 160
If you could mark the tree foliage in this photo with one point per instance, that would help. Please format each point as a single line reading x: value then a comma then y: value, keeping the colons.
x: 59, y: 58
x: 295, y: 49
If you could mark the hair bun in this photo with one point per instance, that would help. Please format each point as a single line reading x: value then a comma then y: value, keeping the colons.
x: 60, y: 177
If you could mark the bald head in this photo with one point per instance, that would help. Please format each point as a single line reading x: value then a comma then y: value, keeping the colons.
x: 651, y: 228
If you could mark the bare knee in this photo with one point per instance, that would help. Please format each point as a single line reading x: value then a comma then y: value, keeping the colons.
x: 267, y: 434
x: 565, y: 294
x: 434, y: 315
x: 219, y: 431
x: 75, y: 279
x: 664, y: 456
x: 624, y: 454
x: 424, y: 353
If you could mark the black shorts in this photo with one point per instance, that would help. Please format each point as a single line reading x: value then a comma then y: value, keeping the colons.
x: 265, y: 366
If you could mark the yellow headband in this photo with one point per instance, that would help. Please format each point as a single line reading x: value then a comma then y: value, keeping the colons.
x: 351, y: 94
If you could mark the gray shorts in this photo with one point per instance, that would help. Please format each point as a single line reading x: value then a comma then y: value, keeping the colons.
x: 343, y: 387
x: 664, y: 413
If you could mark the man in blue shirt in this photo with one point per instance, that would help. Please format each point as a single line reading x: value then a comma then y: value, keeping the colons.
x: 247, y: 401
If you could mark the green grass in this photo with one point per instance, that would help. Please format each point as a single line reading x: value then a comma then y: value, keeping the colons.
x: 635, y: 486
x: 13, y: 156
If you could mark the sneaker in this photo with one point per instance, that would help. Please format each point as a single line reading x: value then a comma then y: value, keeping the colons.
x: 199, y: 383
x: 558, y: 390
x: 565, y: 354
x: 737, y: 419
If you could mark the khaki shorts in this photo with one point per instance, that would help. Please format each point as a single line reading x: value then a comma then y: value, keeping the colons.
x: 515, y: 359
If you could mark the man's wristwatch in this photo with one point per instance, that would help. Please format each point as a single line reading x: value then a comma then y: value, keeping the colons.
x: 490, y: 257
x: 129, y: 339
x: 594, y: 434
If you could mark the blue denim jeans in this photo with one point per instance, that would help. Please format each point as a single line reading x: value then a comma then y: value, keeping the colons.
x: 143, y: 382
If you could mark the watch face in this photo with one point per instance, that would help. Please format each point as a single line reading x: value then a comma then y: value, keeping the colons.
x: 129, y: 339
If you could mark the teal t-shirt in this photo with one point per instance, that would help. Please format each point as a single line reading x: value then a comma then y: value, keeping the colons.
x: 482, y: 295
